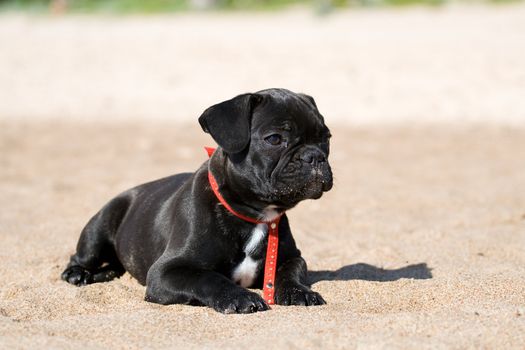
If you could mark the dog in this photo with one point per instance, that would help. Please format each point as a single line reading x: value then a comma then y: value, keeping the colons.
x: 178, y: 239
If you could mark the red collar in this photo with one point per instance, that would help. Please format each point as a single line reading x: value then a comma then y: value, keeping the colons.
x: 270, y: 264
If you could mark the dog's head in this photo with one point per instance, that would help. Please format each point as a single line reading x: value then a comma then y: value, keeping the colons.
x: 277, y: 145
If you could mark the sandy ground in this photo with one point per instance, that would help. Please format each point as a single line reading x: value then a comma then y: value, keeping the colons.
x: 419, y: 244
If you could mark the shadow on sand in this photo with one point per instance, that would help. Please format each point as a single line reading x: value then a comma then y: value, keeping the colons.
x: 368, y: 272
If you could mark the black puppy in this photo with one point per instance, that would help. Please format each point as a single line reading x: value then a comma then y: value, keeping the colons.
x: 173, y: 234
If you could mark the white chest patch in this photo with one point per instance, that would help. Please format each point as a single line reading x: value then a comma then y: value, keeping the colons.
x: 270, y: 213
x: 244, y: 273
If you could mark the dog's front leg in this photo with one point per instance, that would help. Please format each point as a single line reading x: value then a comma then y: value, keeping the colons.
x: 186, y: 285
x: 291, y: 285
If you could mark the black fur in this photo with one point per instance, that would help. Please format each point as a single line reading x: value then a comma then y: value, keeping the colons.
x: 174, y: 236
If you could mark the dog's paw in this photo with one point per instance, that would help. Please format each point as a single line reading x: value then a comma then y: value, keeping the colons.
x: 77, y: 275
x: 244, y: 302
x: 296, y: 294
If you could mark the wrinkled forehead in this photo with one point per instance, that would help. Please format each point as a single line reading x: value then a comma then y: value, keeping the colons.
x: 288, y: 112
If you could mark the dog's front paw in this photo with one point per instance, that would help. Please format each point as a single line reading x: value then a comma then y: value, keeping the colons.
x: 244, y: 302
x: 296, y: 294
x: 77, y: 275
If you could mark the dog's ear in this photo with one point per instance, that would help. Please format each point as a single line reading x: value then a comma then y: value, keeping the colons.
x: 309, y: 99
x: 229, y: 122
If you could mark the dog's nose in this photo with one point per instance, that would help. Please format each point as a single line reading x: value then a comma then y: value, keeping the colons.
x: 313, y: 156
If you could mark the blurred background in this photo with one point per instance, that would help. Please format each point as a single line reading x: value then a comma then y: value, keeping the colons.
x: 365, y: 61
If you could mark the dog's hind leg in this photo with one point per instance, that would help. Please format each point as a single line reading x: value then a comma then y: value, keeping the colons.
x: 96, y: 259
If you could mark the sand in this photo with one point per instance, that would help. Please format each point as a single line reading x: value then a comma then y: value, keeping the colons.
x: 420, y: 244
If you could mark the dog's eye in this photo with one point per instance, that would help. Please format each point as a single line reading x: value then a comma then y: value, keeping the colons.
x: 274, y: 139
